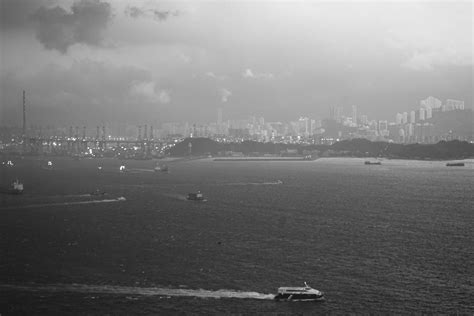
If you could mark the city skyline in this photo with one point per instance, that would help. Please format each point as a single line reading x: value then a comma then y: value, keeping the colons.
x: 102, y: 61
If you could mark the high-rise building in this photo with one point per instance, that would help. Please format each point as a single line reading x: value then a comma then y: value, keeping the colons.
x: 422, y: 114
x: 429, y: 112
x: 433, y: 102
x: 354, y: 114
x: 454, y: 105
x: 364, y: 119
x: 383, y: 126
x: 412, y: 117
x: 219, y: 116
x: 404, y: 118
x: 336, y: 112
x: 399, y: 118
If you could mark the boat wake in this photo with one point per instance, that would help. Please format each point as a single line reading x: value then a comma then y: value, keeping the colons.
x: 256, y: 183
x: 142, y: 291
x: 136, y: 170
x: 119, y: 199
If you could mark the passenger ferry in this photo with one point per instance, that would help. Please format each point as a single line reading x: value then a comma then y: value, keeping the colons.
x: 305, y: 293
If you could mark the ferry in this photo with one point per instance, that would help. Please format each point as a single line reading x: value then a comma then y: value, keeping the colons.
x: 301, y: 294
x: 196, y: 197
x: 455, y: 164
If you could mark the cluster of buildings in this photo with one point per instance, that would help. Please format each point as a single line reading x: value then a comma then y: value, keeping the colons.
x: 431, y: 122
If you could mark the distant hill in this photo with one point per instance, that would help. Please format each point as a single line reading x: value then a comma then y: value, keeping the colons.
x: 353, y: 148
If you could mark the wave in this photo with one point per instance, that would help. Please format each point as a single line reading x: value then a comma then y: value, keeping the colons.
x: 143, y: 291
x: 256, y: 183
x: 119, y: 199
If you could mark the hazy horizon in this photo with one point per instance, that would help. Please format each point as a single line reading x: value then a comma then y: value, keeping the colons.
x: 84, y: 62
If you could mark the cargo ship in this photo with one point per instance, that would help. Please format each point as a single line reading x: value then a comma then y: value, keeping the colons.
x: 367, y: 162
x: 455, y: 164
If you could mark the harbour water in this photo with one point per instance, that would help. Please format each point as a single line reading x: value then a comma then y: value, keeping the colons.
x: 390, y: 238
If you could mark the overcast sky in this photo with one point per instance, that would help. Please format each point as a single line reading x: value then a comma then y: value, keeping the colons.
x: 87, y: 61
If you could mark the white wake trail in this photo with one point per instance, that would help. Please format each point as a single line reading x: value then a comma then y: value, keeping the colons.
x: 119, y: 199
x: 144, y: 291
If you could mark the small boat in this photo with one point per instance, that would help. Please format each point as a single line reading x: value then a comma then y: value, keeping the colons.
x: 455, y: 164
x: 305, y: 293
x: 122, y: 168
x: 196, y: 197
x: 8, y: 163
x: 15, y: 188
x: 98, y: 192
x: 49, y: 165
x: 367, y: 162
x: 162, y: 168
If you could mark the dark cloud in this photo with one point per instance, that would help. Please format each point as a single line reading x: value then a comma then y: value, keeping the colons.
x: 134, y: 12
x: 15, y: 13
x: 160, y: 15
x: 87, y: 90
x: 163, y: 15
x: 59, y: 29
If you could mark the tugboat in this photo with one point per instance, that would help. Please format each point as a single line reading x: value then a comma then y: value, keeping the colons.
x: 305, y: 293
x: 196, y: 197
x: 15, y: 188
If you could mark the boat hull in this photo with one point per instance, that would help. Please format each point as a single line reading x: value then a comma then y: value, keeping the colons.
x: 299, y: 297
x: 455, y: 164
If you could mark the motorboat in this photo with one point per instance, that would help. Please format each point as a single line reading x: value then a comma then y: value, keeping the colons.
x: 305, y: 293
x: 198, y: 196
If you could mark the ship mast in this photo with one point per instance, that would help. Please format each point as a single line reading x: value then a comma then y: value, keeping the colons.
x: 24, y: 113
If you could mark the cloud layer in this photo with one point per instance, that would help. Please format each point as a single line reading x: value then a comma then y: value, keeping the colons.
x: 58, y: 29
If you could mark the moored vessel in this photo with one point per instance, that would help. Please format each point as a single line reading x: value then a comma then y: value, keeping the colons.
x: 305, y: 293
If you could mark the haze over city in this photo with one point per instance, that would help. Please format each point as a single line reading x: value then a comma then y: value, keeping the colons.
x: 147, y: 62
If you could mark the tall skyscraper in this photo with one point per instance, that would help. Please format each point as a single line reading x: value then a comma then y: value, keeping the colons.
x: 336, y: 113
x: 422, y: 114
x: 219, y: 116
x: 404, y: 117
x: 354, y: 114
x: 412, y: 117
x: 399, y: 118
x: 429, y: 112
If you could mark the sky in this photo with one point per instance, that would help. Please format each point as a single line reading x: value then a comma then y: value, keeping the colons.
x: 143, y: 61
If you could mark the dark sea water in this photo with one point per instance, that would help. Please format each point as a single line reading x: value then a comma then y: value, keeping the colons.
x: 396, y: 238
